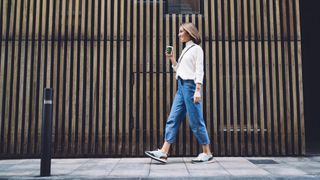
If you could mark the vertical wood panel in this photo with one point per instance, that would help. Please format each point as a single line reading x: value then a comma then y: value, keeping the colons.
x: 154, y: 78
x: 134, y: 109
x: 262, y: 76
x: 146, y: 63
x: 226, y: 74
x: 300, y: 84
x: 208, y: 75
x: 234, y: 53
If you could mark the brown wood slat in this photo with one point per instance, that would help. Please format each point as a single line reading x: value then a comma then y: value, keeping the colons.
x: 106, y: 59
x: 207, y: 76
x: 241, y: 75
x: 11, y: 21
x: 262, y: 104
x: 21, y: 91
x: 234, y: 79
x: 175, y: 43
x: 227, y: 78
x: 241, y: 101
x: 300, y: 84
x: 134, y: 75
x: 215, y: 98
x: 34, y: 93
x: 74, y: 98
x: 12, y: 95
x: 220, y: 81
x: 128, y: 128
x: 127, y: 77
x: 141, y: 52
x: 154, y: 65
x: 287, y: 99
x: 2, y: 91
x: 91, y: 65
x: 12, y: 78
x: 73, y: 92
x: 13, y: 88
x: 99, y: 96
x: 245, y: 47
x: 267, y: 77
x: 6, y: 132
x: 281, y: 104
x: 94, y: 100
x: 280, y: 77
x: 147, y: 62
x: 293, y: 81
x: 67, y: 98
x: 161, y: 59
x: 253, y: 65
x: 4, y: 20
x: 120, y: 99
x: 54, y: 86
x: 39, y: 98
x: 4, y: 106
x: 113, y: 78
x: 248, y: 106
x: 41, y: 80
x: 57, y: 106
x: 274, y: 82
x: 60, y: 79
x: 221, y: 100
x: 81, y: 100
x: 121, y: 77
x: 275, y: 101
x: 88, y: 119
x: 261, y: 77
x: 167, y: 70
x: 298, y: 20
x: 295, y: 105
x: 301, y: 104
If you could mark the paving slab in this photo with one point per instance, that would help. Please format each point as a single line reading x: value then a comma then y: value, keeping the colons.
x: 177, y: 168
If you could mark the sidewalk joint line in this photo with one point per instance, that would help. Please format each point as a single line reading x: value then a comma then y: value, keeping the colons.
x: 149, y: 168
x: 223, y: 167
x: 80, y: 166
x: 113, y: 167
x: 186, y: 166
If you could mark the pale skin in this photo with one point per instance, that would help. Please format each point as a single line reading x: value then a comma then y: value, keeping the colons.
x: 185, y: 37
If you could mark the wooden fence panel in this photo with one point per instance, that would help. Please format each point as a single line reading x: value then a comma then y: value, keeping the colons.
x: 113, y: 86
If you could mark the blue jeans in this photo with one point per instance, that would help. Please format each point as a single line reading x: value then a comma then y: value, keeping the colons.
x: 182, y: 104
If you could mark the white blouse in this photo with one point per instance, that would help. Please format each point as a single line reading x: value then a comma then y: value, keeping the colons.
x: 191, y: 66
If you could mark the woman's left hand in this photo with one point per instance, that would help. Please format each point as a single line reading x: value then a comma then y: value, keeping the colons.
x: 197, y: 96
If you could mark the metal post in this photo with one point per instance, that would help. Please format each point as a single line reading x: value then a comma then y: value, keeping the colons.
x: 46, y: 132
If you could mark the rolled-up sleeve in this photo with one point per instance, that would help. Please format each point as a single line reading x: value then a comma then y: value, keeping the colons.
x: 174, y: 67
x: 199, y: 66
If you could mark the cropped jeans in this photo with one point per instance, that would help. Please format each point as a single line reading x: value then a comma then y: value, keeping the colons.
x: 183, y: 104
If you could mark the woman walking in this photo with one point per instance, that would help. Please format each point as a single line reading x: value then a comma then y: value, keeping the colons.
x: 189, y: 73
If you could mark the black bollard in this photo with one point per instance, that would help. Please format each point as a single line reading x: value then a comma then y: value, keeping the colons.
x: 45, y: 169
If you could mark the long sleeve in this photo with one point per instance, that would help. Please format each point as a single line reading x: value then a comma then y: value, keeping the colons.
x: 199, y: 66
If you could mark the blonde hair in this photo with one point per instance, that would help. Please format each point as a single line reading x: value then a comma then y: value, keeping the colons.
x: 192, y: 31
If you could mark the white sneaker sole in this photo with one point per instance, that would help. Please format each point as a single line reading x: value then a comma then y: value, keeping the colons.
x: 202, y: 162
x: 155, y: 158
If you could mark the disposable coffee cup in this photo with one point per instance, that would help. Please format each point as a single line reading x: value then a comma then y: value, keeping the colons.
x: 169, y: 50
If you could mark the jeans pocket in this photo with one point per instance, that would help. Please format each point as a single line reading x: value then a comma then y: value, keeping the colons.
x: 190, y: 84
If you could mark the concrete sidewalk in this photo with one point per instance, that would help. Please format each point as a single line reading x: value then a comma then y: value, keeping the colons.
x: 177, y: 168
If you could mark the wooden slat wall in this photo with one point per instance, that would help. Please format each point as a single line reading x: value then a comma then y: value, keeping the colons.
x: 113, y: 87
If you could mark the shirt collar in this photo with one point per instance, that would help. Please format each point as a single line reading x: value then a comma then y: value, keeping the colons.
x: 189, y: 43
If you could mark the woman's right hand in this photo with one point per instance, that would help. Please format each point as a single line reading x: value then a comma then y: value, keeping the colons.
x: 171, y: 57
